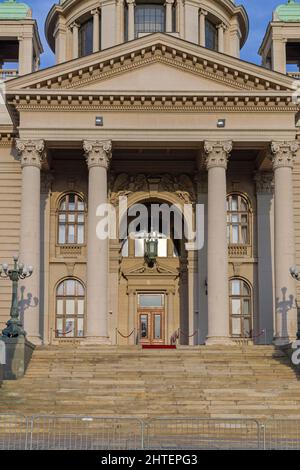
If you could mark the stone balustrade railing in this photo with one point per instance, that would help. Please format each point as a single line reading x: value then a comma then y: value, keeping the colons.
x: 6, y: 74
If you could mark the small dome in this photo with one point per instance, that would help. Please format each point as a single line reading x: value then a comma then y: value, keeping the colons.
x: 289, y: 11
x: 11, y: 10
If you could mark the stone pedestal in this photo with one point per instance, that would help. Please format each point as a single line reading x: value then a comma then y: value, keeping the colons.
x: 18, y: 355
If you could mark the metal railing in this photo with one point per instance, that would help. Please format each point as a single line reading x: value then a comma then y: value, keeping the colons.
x: 18, y: 432
x: 85, y: 433
x: 6, y: 74
x: 281, y: 434
x: 13, y: 432
x: 202, y: 434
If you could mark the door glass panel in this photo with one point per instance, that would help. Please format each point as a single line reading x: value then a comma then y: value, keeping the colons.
x: 236, y: 326
x: 59, y: 326
x: 70, y: 307
x: 157, y: 326
x: 151, y: 300
x: 60, y: 307
x: 70, y: 328
x: 247, y: 332
x: 80, y: 327
x: 236, y: 306
x: 144, y: 326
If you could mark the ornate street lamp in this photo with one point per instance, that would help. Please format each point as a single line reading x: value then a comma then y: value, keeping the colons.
x: 151, y: 249
x: 14, y: 327
x: 294, y: 271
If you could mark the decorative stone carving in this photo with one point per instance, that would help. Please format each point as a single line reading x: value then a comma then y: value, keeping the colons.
x: 124, y: 184
x: 284, y: 154
x: 217, y: 153
x: 98, y: 153
x: 31, y: 152
x: 264, y: 182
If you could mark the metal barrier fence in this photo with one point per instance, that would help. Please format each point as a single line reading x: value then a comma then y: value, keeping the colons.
x: 116, y: 433
x: 85, y: 433
x: 281, y: 434
x: 201, y: 433
x: 13, y: 432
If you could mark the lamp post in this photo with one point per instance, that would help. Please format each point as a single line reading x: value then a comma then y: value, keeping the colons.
x: 14, y: 327
x: 294, y: 271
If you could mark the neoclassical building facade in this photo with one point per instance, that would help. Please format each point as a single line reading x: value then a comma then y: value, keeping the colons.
x: 149, y: 100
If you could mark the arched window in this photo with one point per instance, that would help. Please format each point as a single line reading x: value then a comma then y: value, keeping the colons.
x: 240, y: 309
x: 238, y: 220
x: 149, y: 19
x: 70, y: 309
x: 71, y: 220
x: 211, y: 36
x: 86, y: 38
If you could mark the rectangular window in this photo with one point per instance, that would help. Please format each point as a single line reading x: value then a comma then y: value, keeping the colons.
x: 151, y: 300
x: 157, y: 326
x: 144, y: 326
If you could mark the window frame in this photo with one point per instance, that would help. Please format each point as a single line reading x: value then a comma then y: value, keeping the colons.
x: 210, y: 26
x: 64, y: 316
x: 241, y: 297
x: 67, y: 212
x: 83, y: 32
x: 240, y: 224
x: 142, y: 8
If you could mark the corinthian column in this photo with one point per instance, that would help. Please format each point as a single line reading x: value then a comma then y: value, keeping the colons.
x: 130, y: 5
x: 31, y: 155
x: 283, y: 157
x: 217, y: 154
x: 169, y: 21
x: 98, y: 156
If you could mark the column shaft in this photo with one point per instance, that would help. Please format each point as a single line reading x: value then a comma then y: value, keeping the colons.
x: 96, y: 30
x: 31, y: 160
x: 217, y: 267
x: 221, y: 38
x: 285, y: 291
x: 169, y: 22
x: 98, y: 156
x: 75, y: 31
x: 202, y: 16
x: 131, y: 32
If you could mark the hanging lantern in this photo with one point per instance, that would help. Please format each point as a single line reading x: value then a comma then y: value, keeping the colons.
x: 151, y: 249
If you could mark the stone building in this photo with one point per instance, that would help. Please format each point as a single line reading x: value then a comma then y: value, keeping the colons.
x: 150, y: 100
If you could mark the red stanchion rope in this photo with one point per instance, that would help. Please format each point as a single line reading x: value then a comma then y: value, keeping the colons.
x: 188, y: 336
x: 123, y: 336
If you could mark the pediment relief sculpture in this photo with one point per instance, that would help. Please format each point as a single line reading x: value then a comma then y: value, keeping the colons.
x: 123, y: 185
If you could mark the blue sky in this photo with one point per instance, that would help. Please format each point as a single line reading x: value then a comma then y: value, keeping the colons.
x: 260, y: 13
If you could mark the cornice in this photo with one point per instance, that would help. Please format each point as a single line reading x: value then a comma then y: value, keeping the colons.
x: 188, y: 102
x: 163, y: 47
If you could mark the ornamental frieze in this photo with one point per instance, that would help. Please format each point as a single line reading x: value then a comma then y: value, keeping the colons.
x: 123, y: 185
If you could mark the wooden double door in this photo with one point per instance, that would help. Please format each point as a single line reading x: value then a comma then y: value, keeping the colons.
x: 151, y: 325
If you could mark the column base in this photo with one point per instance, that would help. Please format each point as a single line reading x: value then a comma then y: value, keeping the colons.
x: 219, y: 341
x: 283, y: 340
x: 97, y: 340
x: 36, y: 340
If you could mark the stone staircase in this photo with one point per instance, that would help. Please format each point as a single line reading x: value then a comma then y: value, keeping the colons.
x: 217, y: 382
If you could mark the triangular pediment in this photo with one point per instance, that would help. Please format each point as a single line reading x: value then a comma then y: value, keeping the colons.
x: 157, y: 62
x: 159, y: 269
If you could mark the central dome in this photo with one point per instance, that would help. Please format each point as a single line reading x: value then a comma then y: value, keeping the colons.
x: 11, y: 10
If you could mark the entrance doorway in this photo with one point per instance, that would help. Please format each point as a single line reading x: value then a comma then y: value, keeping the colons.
x: 151, y: 318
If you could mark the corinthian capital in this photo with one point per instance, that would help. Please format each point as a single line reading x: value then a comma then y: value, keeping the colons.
x: 98, y: 153
x: 284, y: 154
x: 31, y: 152
x: 217, y: 153
x: 264, y: 182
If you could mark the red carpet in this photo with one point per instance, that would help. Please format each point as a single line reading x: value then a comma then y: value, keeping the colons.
x: 158, y: 346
